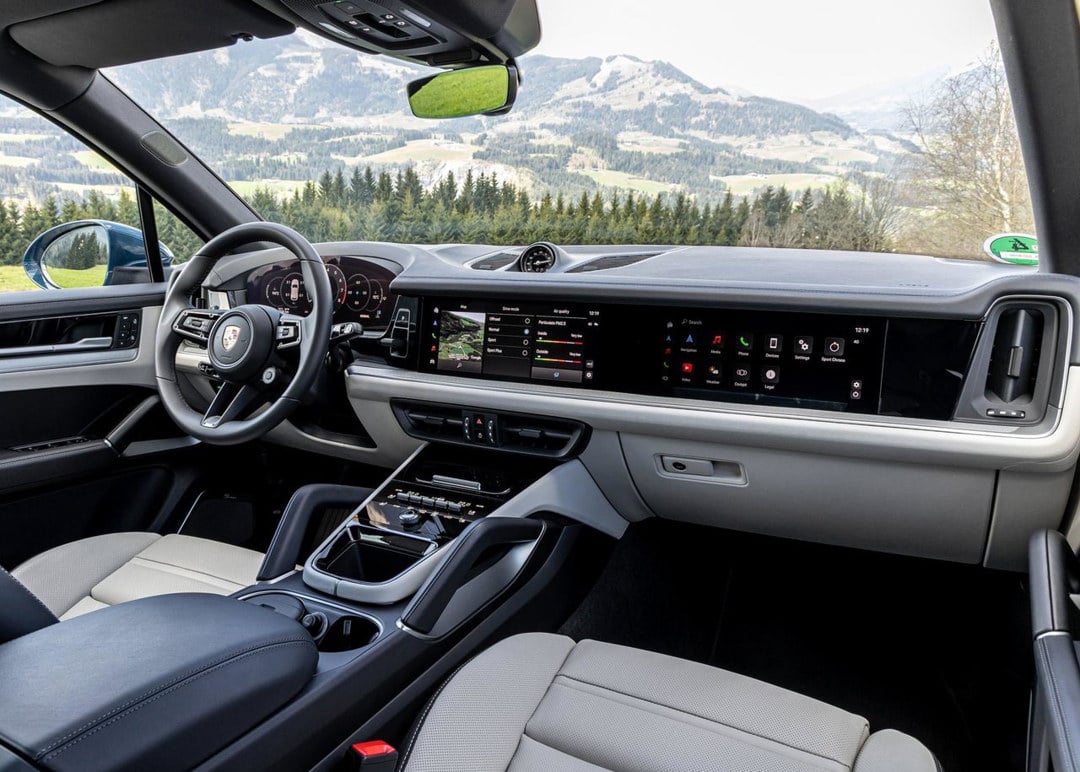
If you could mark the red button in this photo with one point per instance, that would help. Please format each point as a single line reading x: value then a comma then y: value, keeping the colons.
x: 373, y: 748
x: 687, y: 367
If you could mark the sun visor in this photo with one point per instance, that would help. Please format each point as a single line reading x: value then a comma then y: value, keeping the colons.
x: 119, y: 32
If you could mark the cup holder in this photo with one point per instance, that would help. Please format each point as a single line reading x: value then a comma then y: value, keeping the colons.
x: 348, y: 633
x: 370, y: 555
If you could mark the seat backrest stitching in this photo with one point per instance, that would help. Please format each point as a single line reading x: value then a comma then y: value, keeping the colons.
x: 540, y: 701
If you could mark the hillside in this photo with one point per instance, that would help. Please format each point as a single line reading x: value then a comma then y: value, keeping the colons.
x: 277, y: 113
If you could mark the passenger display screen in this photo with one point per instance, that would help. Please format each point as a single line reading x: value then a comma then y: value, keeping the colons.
x: 828, y: 362
x: 518, y: 341
x: 807, y: 360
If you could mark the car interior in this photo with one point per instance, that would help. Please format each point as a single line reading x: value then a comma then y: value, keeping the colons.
x: 375, y: 505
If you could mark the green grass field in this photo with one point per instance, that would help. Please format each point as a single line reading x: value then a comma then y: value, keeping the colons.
x: 461, y: 92
x: 419, y: 150
x: 247, y: 188
x: 614, y: 179
x: 69, y: 278
x: 13, y: 279
x: 746, y: 184
x: 18, y: 161
x: 92, y: 160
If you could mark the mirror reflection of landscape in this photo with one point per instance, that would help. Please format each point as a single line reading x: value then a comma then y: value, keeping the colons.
x: 79, y: 258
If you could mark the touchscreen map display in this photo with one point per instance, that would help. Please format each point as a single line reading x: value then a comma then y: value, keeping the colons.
x: 516, y: 341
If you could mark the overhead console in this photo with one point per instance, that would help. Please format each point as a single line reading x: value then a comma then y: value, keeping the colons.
x: 998, y: 369
x: 437, y: 34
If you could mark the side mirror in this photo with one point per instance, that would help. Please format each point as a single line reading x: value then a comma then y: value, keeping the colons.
x: 89, y: 253
x: 487, y: 90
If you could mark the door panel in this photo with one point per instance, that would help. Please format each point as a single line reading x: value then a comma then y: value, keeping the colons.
x: 63, y: 405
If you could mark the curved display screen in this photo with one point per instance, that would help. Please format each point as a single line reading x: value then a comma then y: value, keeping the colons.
x: 806, y: 360
x: 361, y: 290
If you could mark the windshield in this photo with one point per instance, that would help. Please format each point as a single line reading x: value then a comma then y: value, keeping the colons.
x: 868, y: 127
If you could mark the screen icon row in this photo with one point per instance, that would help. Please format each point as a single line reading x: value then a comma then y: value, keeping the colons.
x: 769, y: 375
x: 773, y: 344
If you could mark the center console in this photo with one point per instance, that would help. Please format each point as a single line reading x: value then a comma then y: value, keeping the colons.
x: 389, y: 545
x: 406, y: 581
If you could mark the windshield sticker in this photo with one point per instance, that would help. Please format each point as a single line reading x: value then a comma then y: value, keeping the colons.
x: 1013, y: 248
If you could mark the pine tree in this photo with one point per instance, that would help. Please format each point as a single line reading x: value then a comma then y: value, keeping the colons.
x: 326, y: 188
x: 338, y: 194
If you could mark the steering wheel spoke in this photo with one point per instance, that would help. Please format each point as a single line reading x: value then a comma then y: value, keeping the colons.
x: 230, y: 403
x: 289, y: 332
x: 194, y: 324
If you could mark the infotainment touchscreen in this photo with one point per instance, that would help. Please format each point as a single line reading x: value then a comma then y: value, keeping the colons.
x: 806, y: 360
x: 822, y: 361
x: 519, y: 341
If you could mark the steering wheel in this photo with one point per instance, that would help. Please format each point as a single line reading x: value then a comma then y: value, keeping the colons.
x: 244, y: 344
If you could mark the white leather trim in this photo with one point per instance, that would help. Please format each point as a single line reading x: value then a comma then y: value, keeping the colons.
x: 86, y: 575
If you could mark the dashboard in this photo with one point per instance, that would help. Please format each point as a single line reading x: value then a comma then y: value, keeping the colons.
x: 896, y: 403
x: 361, y: 288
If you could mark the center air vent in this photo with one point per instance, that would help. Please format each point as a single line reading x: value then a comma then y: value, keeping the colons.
x: 509, y: 432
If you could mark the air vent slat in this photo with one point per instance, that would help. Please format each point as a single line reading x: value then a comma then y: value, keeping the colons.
x: 1014, y: 362
x: 494, y: 262
x: 608, y: 262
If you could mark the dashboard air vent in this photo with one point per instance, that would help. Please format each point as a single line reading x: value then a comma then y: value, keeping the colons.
x: 511, y: 432
x: 1015, y: 369
x: 1014, y: 360
x: 494, y: 262
x: 611, y: 261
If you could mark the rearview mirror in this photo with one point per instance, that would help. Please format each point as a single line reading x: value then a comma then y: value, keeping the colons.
x: 488, y: 90
x: 89, y: 253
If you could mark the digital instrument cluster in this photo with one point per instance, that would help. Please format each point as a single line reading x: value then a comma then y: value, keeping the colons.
x: 361, y: 290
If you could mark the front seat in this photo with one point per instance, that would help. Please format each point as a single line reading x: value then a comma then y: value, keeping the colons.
x: 542, y: 702
x: 100, y: 571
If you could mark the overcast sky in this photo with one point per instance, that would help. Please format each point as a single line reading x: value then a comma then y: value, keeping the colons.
x: 788, y: 49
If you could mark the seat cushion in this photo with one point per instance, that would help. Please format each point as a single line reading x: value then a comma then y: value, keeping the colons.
x: 543, y: 702
x: 89, y: 574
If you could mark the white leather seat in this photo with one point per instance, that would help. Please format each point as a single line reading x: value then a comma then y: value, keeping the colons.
x: 542, y: 702
x: 89, y: 574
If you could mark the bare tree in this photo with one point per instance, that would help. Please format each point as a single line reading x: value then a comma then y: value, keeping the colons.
x: 879, y: 212
x: 969, y: 172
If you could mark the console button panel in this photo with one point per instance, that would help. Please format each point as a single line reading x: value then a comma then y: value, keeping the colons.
x: 445, y: 489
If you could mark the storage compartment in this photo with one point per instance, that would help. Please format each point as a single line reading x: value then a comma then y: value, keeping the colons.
x: 364, y: 554
x: 910, y: 509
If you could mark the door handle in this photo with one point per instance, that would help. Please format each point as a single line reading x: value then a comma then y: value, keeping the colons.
x: 85, y: 344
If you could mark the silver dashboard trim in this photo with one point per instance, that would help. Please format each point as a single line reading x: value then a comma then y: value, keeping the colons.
x: 1053, y: 447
